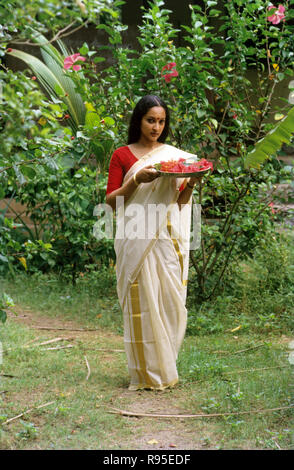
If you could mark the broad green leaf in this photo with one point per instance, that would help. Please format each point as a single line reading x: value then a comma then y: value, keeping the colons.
x: 92, y: 119
x: 279, y: 116
x: 53, y: 78
x: 28, y: 171
x: 3, y: 316
x: 84, y: 49
x: 98, y: 59
x: 109, y: 121
x: 272, y: 142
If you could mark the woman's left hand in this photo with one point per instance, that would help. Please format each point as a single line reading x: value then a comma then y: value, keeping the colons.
x: 147, y: 174
x: 195, y: 179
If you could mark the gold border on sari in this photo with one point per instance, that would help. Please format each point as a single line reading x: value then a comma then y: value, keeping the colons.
x: 138, y: 335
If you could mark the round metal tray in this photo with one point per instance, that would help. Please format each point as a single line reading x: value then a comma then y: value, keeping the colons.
x: 184, y: 174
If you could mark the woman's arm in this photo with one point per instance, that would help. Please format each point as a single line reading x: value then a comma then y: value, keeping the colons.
x: 145, y: 175
x: 185, y: 195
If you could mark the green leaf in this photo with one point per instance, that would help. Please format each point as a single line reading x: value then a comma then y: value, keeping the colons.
x: 28, y: 171
x: 279, y: 116
x: 84, y: 49
x: 214, y: 122
x: 109, y: 121
x: 3, y: 316
x: 98, y: 59
x: 272, y: 142
x: 56, y: 83
x: 58, y: 90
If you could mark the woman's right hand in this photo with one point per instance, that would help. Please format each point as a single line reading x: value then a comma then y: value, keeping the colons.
x: 147, y: 174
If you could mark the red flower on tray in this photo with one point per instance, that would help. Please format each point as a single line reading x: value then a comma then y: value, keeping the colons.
x: 178, y: 166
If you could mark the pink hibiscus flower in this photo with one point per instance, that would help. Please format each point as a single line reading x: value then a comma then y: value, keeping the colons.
x: 279, y: 14
x: 171, y: 66
x: 70, y: 61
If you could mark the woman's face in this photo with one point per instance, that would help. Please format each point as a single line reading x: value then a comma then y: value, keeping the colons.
x: 152, y: 124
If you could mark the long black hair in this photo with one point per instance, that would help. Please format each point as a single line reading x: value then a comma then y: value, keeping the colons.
x: 141, y: 108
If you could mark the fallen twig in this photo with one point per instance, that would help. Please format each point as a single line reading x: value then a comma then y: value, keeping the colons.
x: 277, y: 445
x: 31, y: 341
x: 63, y: 329
x: 211, y: 415
x: 248, y: 349
x: 255, y: 370
x: 109, y: 350
x: 54, y: 340
x: 30, y: 346
x: 58, y: 347
x: 8, y: 375
x: 240, y: 351
x: 28, y: 411
x: 88, y: 367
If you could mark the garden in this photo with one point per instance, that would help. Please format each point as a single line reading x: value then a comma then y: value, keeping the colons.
x: 228, y: 78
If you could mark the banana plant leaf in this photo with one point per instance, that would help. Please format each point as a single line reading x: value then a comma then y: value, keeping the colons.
x: 54, y: 60
x: 54, y: 80
x: 270, y: 144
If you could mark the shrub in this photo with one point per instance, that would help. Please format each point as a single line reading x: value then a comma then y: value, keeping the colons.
x: 220, y: 84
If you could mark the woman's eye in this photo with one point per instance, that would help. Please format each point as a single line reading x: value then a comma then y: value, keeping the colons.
x: 151, y: 121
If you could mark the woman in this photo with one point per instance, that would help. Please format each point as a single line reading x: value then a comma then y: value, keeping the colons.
x: 152, y: 255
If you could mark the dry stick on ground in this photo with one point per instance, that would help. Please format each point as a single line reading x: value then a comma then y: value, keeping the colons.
x: 240, y: 371
x: 66, y: 329
x: 54, y: 340
x: 8, y: 375
x: 58, y: 347
x: 31, y: 341
x: 105, y: 350
x: 248, y: 349
x: 212, y: 415
x: 240, y: 351
x: 88, y: 367
x: 28, y: 411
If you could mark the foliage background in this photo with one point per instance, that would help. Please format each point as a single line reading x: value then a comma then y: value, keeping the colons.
x: 223, y: 101
x: 226, y: 96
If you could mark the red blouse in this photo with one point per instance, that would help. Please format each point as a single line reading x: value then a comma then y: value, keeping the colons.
x: 120, y: 163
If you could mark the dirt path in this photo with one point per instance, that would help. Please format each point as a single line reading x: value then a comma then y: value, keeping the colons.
x: 148, y: 433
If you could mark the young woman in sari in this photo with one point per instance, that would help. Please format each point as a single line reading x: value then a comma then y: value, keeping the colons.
x: 152, y: 248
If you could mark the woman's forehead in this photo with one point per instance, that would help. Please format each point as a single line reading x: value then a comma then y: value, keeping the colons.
x: 156, y: 111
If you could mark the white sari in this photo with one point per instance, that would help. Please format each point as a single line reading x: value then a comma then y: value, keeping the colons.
x: 152, y: 251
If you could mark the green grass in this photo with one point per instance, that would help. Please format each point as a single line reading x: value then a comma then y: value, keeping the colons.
x: 227, y: 372
x: 257, y: 294
x: 214, y: 379
x: 237, y: 374
x: 235, y: 359
x: 92, y: 302
x: 75, y: 419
